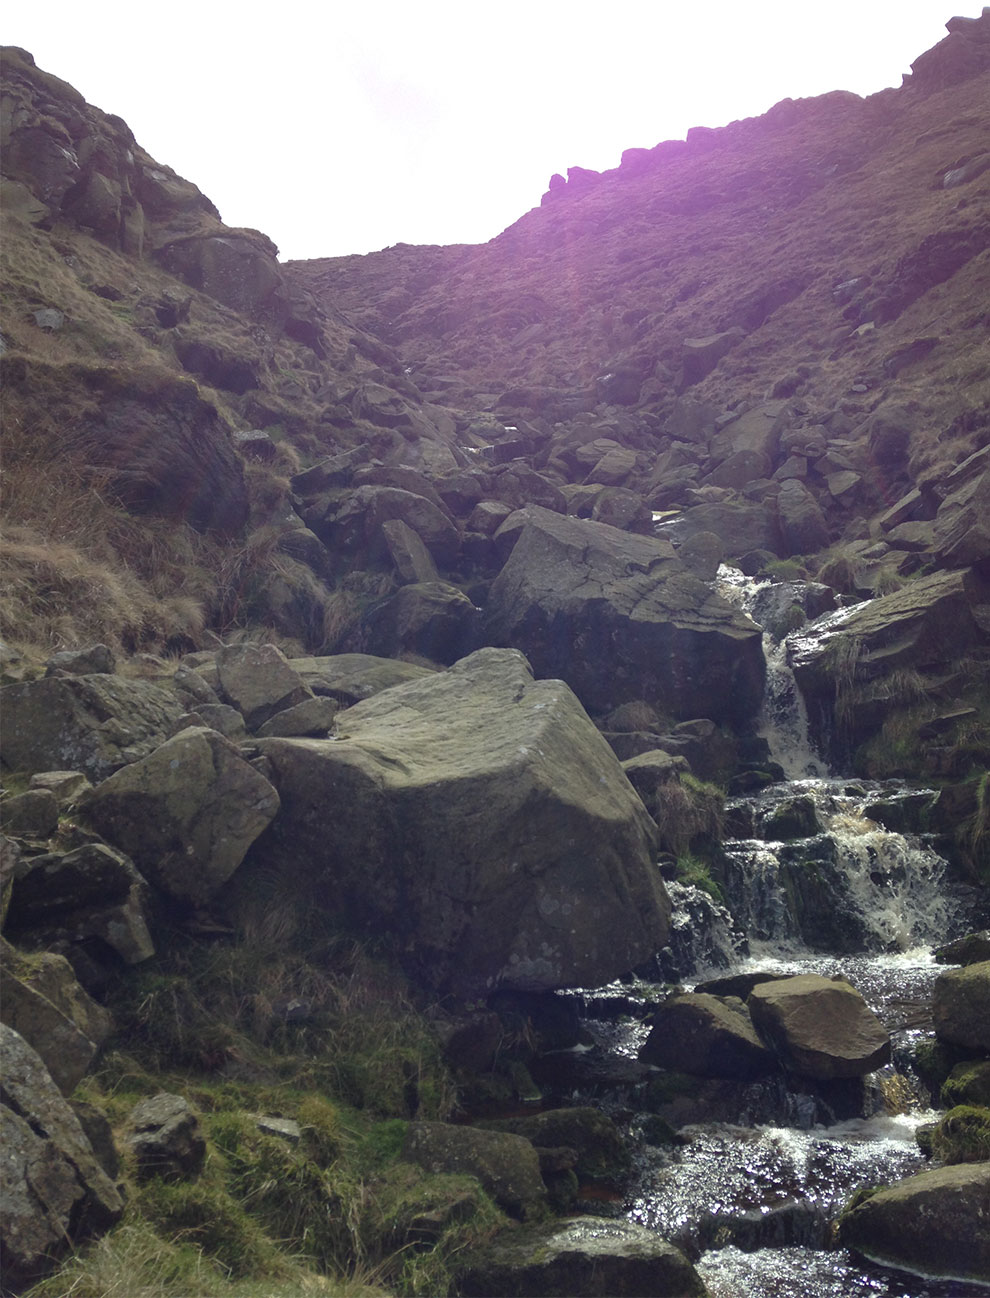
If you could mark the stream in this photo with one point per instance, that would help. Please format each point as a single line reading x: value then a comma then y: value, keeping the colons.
x: 753, y: 1198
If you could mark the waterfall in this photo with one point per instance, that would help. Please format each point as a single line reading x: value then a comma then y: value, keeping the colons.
x: 783, y: 721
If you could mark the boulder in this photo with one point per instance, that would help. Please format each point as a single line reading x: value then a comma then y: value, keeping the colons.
x: 33, y: 814
x: 712, y: 1036
x: 591, y: 1134
x: 82, y: 662
x: 413, y: 562
x: 429, y: 618
x: 971, y: 949
x: 506, y: 1165
x: 53, y: 1192
x: 349, y: 678
x: 259, y: 681
x: 738, y: 524
x: 803, y: 528
x: 187, y: 814
x: 819, y: 1027
x: 312, y: 717
x: 166, y: 1138
x: 41, y: 999
x: 94, y: 724
x: 699, y: 356
x: 962, y: 524
x: 582, y: 1257
x: 961, y: 1006
x: 65, y: 785
x: 479, y: 817
x: 934, y: 1224
x: 619, y: 617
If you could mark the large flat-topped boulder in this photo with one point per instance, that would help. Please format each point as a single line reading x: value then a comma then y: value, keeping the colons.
x: 618, y: 617
x: 479, y: 817
x: 819, y: 1027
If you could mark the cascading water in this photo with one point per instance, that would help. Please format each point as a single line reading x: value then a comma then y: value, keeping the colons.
x: 813, y: 883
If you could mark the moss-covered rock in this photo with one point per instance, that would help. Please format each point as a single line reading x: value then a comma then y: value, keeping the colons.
x: 585, y: 1257
x: 936, y: 1223
x: 963, y: 1135
x: 601, y: 1153
x: 961, y: 1006
x: 968, y: 1083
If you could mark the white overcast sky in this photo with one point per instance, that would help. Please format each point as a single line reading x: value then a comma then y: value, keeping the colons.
x: 346, y: 127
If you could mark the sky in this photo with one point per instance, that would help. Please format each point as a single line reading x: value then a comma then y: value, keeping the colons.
x: 347, y: 127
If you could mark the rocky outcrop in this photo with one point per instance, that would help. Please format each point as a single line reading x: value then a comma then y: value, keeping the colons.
x: 961, y: 1006
x: 935, y: 1224
x: 618, y: 617
x: 584, y: 1257
x: 187, y: 814
x: 478, y: 816
x: 819, y: 1027
x: 54, y: 1192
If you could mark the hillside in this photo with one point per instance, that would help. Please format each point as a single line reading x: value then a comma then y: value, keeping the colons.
x: 398, y: 658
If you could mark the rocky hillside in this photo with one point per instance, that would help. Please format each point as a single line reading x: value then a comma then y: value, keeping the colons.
x: 364, y: 655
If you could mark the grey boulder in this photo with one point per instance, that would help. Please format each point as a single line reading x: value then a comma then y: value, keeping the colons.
x: 479, y: 817
x: 186, y: 814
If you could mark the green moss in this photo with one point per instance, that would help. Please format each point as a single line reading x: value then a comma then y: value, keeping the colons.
x: 692, y: 871
x: 963, y: 1135
x: 968, y: 1083
x: 204, y: 1214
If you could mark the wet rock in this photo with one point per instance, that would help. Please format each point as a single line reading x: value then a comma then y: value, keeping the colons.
x: 479, y: 816
x: 936, y: 1223
x: 708, y: 1035
x: 600, y: 1152
x: 961, y: 1006
x: 53, y: 1191
x: 187, y: 814
x: 796, y: 817
x: 583, y: 1257
x: 166, y: 1138
x: 818, y: 1027
x: 971, y: 949
x: 506, y: 1165
x: 619, y: 617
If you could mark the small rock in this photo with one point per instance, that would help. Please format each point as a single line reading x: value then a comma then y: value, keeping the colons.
x: 166, y: 1137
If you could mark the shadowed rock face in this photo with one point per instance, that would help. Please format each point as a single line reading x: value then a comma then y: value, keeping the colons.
x: 478, y: 816
x: 619, y: 617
